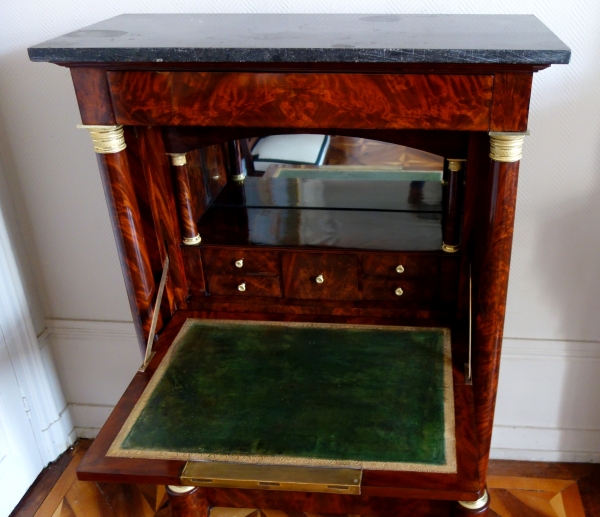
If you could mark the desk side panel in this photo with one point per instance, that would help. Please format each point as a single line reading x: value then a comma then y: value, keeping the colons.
x: 298, y: 100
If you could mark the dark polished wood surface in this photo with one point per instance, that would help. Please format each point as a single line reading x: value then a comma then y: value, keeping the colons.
x: 127, y: 227
x: 493, y: 264
x: 333, y: 229
x: 185, y: 201
x: 457, y: 102
x: 320, y: 276
x: 379, y: 194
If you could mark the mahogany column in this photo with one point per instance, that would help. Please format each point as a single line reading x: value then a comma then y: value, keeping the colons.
x: 453, y: 182
x: 109, y: 145
x: 490, y: 298
x: 187, y: 501
x: 189, y: 230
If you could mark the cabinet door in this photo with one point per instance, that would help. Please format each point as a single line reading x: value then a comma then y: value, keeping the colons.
x: 325, y: 276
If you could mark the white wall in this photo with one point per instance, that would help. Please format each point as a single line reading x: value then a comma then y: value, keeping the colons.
x: 549, y: 401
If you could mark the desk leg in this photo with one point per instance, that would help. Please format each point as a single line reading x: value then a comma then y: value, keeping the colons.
x: 470, y: 508
x: 187, y: 501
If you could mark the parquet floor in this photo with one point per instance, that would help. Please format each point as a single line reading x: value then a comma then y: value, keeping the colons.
x: 517, y: 489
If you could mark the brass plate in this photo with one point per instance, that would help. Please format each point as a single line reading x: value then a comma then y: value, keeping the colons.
x: 272, y: 477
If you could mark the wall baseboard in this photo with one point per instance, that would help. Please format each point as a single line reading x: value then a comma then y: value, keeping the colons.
x: 557, y: 417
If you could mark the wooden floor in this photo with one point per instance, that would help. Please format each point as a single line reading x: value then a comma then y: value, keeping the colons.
x: 517, y: 489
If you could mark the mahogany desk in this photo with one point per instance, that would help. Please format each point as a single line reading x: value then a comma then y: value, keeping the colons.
x: 173, y: 104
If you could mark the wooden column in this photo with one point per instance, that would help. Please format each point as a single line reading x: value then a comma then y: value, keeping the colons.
x: 109, y: 145
x: 187, y: 501
x: 452, y: 202
x: 189, y: 229
x: 492, y: 283
x: 236, y: 161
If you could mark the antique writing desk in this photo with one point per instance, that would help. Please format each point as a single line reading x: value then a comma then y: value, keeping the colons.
x: 315, y: 339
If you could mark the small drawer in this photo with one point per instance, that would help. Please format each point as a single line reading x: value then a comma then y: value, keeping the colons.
x: 400, y: 265
x: 320, y: 276
x: 240, y: 261
x: 377, y: 288
x: 244, y: 285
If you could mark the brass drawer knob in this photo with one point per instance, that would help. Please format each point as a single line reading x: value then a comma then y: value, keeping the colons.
x: 239, y: 263
x: 399, y: 268
x: 319, y: 279
x: 399, y: 291
x: 242, y: 287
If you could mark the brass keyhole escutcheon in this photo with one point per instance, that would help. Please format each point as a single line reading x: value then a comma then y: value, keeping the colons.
x: 239, y: 263
x: 399, y: 291
x: 242, y: 287
x: 399, y: 268
x: 319, y: 279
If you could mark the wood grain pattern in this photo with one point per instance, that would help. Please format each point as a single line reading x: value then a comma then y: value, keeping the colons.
x: 254, y: 285
x: 185, y: 201
x: 189, y: 504
x: 300, y: 272
x: 164, y: 212
x: 490, y: 298
x: 383, y: 101
x: 414, y: 264
x: 422, y: 290
x: 537, y: 494
x: 93, y: 96
x: 223, y: 260
x: 127, y: 227
x: 194, y: 272
x: 510, y: 109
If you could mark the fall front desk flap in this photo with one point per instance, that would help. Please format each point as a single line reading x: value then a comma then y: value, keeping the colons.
x: 299, y: 394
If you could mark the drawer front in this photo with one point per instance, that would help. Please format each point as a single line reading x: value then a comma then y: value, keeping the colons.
x: 240, y: 261
x: 303, y: 272
x: 377, y: 288
x: 400, y: 265
x: 302, y: 100
x: 244, y: 285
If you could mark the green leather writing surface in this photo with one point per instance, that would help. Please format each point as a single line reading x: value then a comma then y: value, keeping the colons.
x: 304, y: 394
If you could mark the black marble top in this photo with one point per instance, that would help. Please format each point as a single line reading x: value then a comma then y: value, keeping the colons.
x: 309, y: 38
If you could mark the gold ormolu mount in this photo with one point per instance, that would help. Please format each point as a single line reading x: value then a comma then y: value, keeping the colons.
x: 506, y: 147
x: 476, y: 505
x: 177, y: 159
x: 106, y: 139
x: 191, y: 241
x: 272, y: 477
x: 456, y: 164
x: 450, y: 248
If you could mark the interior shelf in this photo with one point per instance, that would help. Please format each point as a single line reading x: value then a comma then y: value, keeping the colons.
x: 353, y: 214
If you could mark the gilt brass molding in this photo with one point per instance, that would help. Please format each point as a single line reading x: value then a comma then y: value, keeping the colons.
x: 476, y: 505
x: 506, y: 147
x: 456, y: 165
x: 180, y: 489
x: 191, y: 241
x: 272, y: 477
x: 106, y: 139
x: 450, y: 248
x: 177, y: 159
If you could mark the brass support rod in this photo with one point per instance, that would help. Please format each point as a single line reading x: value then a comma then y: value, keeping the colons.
x: 161, y: 289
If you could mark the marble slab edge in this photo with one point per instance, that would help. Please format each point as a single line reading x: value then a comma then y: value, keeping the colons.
x: 297, y: 55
